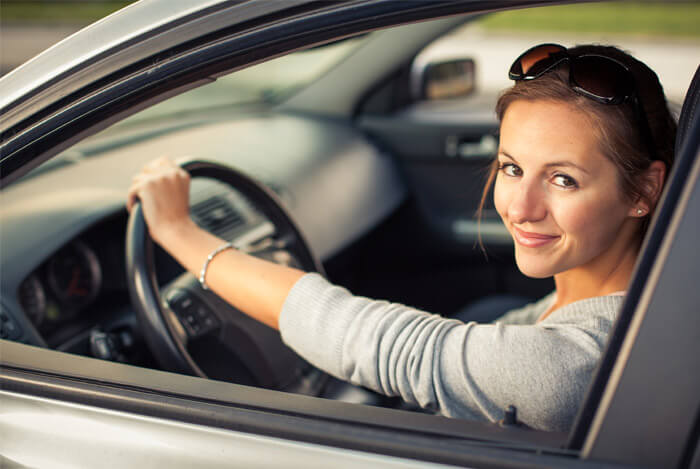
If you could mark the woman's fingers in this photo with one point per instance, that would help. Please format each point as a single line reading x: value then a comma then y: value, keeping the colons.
x: 132, y: 196
x: 161, y: 162
x: 162, y: 187
x: 158, y: 168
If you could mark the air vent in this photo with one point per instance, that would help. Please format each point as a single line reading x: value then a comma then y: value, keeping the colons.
x: 217, y: 216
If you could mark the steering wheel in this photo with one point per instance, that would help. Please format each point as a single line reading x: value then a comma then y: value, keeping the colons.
x: 191, y: 330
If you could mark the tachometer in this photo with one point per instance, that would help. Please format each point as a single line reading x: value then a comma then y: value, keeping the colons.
x: 74, y: 275
x: 32, y: 297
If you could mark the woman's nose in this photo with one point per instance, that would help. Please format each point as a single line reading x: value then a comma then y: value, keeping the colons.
x: 528, y: 203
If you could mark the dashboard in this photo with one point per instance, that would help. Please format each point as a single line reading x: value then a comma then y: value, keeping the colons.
x: 63, y: 279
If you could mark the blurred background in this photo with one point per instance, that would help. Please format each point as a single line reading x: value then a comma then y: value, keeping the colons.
x: 27, y: 27
x: 648, y: 29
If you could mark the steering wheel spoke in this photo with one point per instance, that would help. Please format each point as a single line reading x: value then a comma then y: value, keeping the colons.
x: 195, y: 317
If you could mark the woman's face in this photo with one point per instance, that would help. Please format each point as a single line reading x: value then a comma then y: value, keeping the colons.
x: 557, y: 194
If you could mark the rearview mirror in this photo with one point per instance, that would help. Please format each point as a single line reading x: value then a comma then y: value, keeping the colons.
x: 445, y: 79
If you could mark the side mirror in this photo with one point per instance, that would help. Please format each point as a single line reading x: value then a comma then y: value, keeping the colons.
x: 445, y: 79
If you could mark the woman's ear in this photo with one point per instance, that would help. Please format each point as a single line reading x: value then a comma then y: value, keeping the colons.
x: 653, y: 182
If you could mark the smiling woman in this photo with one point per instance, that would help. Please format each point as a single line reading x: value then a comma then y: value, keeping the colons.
x: 555, y: 183
x: 553, y: 190
x: 580, y: 145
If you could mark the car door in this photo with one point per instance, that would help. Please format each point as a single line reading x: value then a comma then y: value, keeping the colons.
x: 88, y: 412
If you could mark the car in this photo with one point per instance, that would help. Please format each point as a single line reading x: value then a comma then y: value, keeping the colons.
x: 326, y: 135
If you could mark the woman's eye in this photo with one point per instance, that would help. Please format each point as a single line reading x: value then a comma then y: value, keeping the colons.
x: 509, y: 169
x: 564, y: 181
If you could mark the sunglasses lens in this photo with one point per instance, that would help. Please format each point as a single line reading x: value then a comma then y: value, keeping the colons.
x: 602, y: 78
x: 535, y: 61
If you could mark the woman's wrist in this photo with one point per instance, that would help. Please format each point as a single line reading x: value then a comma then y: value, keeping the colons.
x: 173, y: 233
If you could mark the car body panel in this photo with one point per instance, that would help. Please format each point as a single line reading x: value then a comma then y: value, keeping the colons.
x: 118, y: 387
x: 117, y: 439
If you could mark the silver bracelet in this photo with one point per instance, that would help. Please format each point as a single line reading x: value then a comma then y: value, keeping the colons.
x: 211, y: 256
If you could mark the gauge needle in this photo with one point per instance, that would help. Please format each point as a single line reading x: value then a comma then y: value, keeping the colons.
x: 73, y: 288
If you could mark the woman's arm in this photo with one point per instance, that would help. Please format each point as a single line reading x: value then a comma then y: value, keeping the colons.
x: 470, y: 371
x: 254, y: 286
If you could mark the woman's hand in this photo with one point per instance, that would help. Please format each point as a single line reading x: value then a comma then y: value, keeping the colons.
x: 163, y: 189
x: 254, y: 286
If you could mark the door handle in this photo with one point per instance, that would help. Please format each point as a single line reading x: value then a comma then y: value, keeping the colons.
x: 483, y: 149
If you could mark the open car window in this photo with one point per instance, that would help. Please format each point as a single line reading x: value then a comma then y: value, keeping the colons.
x: 384, y: 190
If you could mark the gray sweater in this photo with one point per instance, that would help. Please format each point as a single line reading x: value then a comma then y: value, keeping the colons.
x: 471, y: 371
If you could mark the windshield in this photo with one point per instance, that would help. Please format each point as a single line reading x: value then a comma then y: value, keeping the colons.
x: 266, y: 84
x: 269, y: 82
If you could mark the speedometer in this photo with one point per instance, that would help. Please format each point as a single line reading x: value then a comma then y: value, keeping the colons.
x: 74, y: 275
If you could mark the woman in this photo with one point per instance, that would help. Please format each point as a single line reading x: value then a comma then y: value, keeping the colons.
x: 586, y: 141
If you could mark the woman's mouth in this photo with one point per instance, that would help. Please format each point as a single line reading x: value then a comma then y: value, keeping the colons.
x: 531, y: 240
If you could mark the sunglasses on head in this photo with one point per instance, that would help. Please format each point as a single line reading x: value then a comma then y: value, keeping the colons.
x: 597, y: 77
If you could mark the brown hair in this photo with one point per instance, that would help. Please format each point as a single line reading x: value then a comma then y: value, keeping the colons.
x: 621, y: 139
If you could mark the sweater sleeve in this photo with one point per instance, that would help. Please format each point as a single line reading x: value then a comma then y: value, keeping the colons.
x: 528, y: 314
x: 472, y: 371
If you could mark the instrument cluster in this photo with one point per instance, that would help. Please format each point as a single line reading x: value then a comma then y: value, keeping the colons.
x: 68, y: 282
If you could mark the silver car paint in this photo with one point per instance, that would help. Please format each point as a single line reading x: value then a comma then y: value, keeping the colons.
x: 44, y: 433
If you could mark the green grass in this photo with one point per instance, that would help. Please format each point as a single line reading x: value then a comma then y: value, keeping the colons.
x: 674, y: 19
x: 57, y: 11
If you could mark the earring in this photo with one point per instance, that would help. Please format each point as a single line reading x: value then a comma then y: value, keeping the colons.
x: 640, y: 211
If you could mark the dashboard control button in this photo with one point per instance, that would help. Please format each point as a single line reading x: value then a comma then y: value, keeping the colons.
x: 9, y: 329
x: 194, y: 315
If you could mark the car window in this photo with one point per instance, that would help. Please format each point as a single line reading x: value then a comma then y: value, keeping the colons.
x: 269, y: 83
x: 261, y: 85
